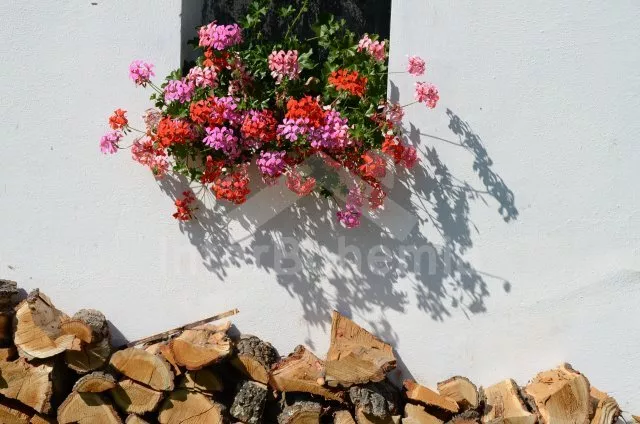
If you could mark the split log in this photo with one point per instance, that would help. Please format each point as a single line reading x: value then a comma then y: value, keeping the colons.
x: 89, y: 358
x: 182, y: 406
x: 167, y: 334
x: 41, y: 419
x: 8, y: 353
x: 96, y: 382
x: 77, y: 328
x: 248, y: 404
x: 6, y: 328
x: 505, y: 406
x: 8, y: 293
x: 561, y: 396
x: 416, y: 414
x: 302, y: 371
x: 255, y: 358
x: 143, y: 367
x: 134, y: 419
x: 606, y: 409
x: 163, y: 349
x: 134, y: 398
x: 426, y: 396
x: 14, y: 413
x: 470, y: 416
x: 636, y: 418
x: 356, y: 356
x: 31, y: 385
x: 38, y: 330
x: 377, y: 400
x: 461, y: 390
x: 87, y: 408
x: 343, y: 417
x: 91, y: 325
x: 204, y: 381
x: 202, y: 346
x: 301, y: 413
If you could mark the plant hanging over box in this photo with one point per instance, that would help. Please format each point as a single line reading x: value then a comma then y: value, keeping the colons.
x: 249, y: 100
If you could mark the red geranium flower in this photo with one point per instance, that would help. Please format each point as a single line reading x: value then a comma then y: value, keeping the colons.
x: 350, y: 81
x: 118, y: 120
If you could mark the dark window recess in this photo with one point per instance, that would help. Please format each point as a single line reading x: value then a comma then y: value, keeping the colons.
x: 361, y: 16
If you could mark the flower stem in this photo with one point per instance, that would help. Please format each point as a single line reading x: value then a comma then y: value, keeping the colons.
x: 295, y: 21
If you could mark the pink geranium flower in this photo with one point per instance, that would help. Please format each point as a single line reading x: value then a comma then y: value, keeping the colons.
x: 427, y: 93
x: 416, y: 66
x: 284, y: 64
x: 109, y: 142
x: 141, y: 72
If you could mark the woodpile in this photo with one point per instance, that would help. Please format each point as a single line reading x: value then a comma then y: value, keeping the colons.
x: 56, y: 368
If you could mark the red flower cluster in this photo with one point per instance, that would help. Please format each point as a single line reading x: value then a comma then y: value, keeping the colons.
x: 377, y: 196
x: 400, y: 153
x: 374, y: 166
x: 212, y: 170
x: 184, y: 210
x: 216, y: 62
x: 200, y: 111
x: 260, y: 126
x: 307, y: 107
x: 173, y: 131
x: 118, y: 120
x: 350, y: 81
x: 233, y: 187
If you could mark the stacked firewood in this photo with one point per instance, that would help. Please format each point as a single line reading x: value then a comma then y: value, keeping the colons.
x: 64, y: 369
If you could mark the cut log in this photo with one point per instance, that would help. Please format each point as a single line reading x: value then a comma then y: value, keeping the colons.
x: 38, y: 330
x: 377, y: 400
x: 77, y: 328
x: 426, y: 396
x: 343, y: 417
x: 561, y: 396
x: 42, y: 419
x: 255, y: 358
x: 29, y: 384
x: 198, y: 348
x: 8, y: 353
x: 95, y: 321
x: 134, y: 398
x: 416, y: 414
x: 606, y: 409
x: 90, y: 357
x: 8, y: 293
x: 182, y: 406
x: 470, y: 416
x: 163, y: 349
x: 204, y: 381
x: 134, y: 419
x: 248, y: 404
x: 505, y: 406
x: 301, y: 413
x: 96, y: 382
x: 87, y: 408
x: 636, y: 418
x: 11, y: 413
x: 302, y: 371
x: 356, y: 356
x: 144, y: 367
x: 461, y: 390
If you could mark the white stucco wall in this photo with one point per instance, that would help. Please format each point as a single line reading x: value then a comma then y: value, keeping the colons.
x: 551, y: 89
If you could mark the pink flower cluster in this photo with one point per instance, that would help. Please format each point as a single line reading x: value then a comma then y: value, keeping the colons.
x: 144, y: 152
x: 292, y: 129
x: 417, y: 66
x: 427, y: 93
x: 203, y: 77
x: 151, y: 119
x: 222, y: 138
x: 333, y: 134
x: 351, y: 214
x: 178, y: 90
x: 141, y: 72
x: 226, y: 109
x: 395, y: 113
x: 374, y: 48
x: 109, y: 142
x: 272, y: 164
x: 220, y: 37
x: 284, y: 64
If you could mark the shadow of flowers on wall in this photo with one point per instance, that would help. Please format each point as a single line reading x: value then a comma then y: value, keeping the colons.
x: 358, y: 271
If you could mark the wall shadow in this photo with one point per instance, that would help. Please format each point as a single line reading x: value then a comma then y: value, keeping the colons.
x: 331, y: 268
